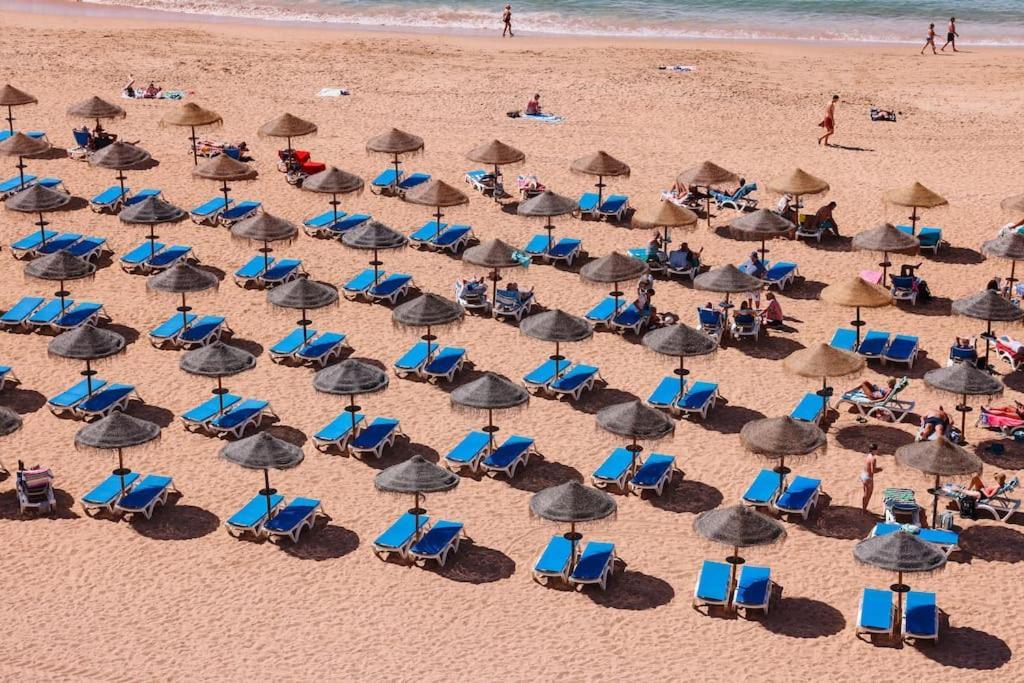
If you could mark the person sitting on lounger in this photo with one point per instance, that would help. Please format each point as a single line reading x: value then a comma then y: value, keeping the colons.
x: 654, y: 249
x: 825, y: 221
x: 682, y: 258
x: 876, y: 392
x: 786, y: 209
x: 533, y: 106
x: 772, y: 313
x: 754, y: 266
x: 644, y: 292
x: 473, y: 286
x: 935, y: 422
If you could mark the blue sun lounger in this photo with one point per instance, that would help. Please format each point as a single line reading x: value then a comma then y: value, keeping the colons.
x: 168, y: 330
x: 873, y: 345
x: 411, y: 181
x: 656, y: 471
x: 453, y: 238
x: 321, y: 350
x: 763, y: 490
x: 72, y: 396
x: 390, y: 289
x: 876, y: 613
x: 252, y: 269
x: 105, y: 401
x: 712, y: 587
x: 427, y: 232
x: 321, y: 224
x: 947, y: 541
x: 614, y: 206
x: 399, y: 536
x: 699, y: 398
x: 930, y: 238
x: 920, y: 616
x: 844, y: 339
x: 375, y: 437
x: 240, y: 417
x: 507, y: 457
x: 445, y: 363
x: 283, y: 270
x: 337, y: 432
x: 85, y: 313
x: 602, y: 313
x: 208, y: 212
x: 711, y: 322
x: 201, y: 415
x: 537, y: 246
x: 138, y: 257
x: 799, y: 497
x: 88, y: 248
x: 554, y: 561
x: 780, y: 274
x: 59, y: 243
x: 902, y: 349
x: 108, y: 492
x: 753, y: 588
x: 169, y: 256
x: 350, y: 221
x: 37, y: 134
x: 667, y: 392
x: 468, y: 452
x: 18, y: 314
x: 441, y: 540
x: 413, y: 359
x: 387, y: 180
x: 588, y: 204
x: 595, y: 565
x: 361, y: 282
x: 545, y: 373
x: 141, y: 196
x: 51, y: 183
x: 206, y: 330
x: 50, y: 311
x: 27, y: 245
x: 145, y: 496
x: 630, y: 319
x: 580, y: 378
x: 810, y: 409
x: 566, y: 249
x: 290, y: 344
x: 238, y: 212
x: 111, y: 199
x: 15, y: 185
x: 253, y: 514
x: 615, y: 470
x: 300, y: 514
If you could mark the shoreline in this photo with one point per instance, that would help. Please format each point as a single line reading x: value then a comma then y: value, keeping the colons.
x: 71, y: 10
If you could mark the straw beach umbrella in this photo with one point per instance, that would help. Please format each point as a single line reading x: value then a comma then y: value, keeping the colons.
x: 263, y: 451
x: 350, y: 378
x: 738, y: 527
x: 303, y: 294
x: 759, y: 226
x: 182, y: 278
x: 224, y: 169
x: 11, y: 97
x: 939, y: 458
x: 706, y: 175
x: 548, y: 205
x: 96, y: 108
x: 915, y: 197
x: 333, y: 181
x: 438, y: 194
x: 900, y: 552
x: 374, y: 236
x: 490, y: 392
x: 21, y: 146
x: 119, y: 156
x: 612, y: 269
x: 428, y: 311
x: 777, y: 438
x: 38, y: 199
x: 495, y: 255
x: 266, y: 228
x: 886, y: 238
x: 636, y: 422
x: 664, y: 215
x: 572, y: 503
x: 963, y: 380
x: 116, y: 432
x: 824, y: 361
x: 151, y: 211
x: 190, y: 115
x: 395, y: 143
x: 556, y: 326
x: 1009, y: 247
x: 857, y: 293
x: 680, y: 341
x: 419, y: 477
x: 497, y: 154
x: 218, y: 360
x: 10, y: 421
x: 60, y: 267
x: 602, y: 165
x: 990, y: 307
x: 86, y: 343
x: 798, y: 183
x: 287, y: 126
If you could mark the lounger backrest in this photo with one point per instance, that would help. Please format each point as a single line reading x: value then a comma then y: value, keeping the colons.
x: 556, y: 556
x: 709, y: 317
x: 595, y: 557
x: 920, y: 611
x: 876, y: 609
x: 615, y: 465
x: 401, y: 532
x: 438, y: 538
x: 752, y: 585
x: 109, y: 489
x: 713, y: 581
x: 22, y: 309
x: 900, y: 282
x: 293, y: 514
x: 255, y: 511
x: 145, y: 492
x: 99, y: 402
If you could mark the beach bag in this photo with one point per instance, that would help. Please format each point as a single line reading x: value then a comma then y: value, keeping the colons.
x: 513, y: 114
x: 924, y: 293
x: 968, y: 508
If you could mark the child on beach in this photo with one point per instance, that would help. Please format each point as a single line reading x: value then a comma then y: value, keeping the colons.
x: 829, y: 122
x: 930, y: 40
x: 506, y: 18
x: 951, y: 35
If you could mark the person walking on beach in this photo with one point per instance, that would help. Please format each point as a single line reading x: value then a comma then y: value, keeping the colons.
x: 506, y: 17
x: 951, y: 35
x: 829, y: 122
x: 867, y: 476
x: 930, y: 40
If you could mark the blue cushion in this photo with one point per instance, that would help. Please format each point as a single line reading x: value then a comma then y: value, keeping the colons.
x: 76, y: 393
x: 240, y: 414
x: 142, y: 253
x: 713, y: 582
x: 576, y: 376
x: 145, y: 492
x: 595, y: 558
x: 698, y: 395
x: 293, y: 341
x: 508, y: 452
x: 211, y: 207
x: 109, y: 489
x: 920, y: 613
x: 666, y: 393
x: 21, y: 310
x: 255, y: 511
x: 469, y: 449
x: 339, y: 428
x: 556, y: 556
x: 763, y: 489
x: 210, y: 408
x: 873, y: 344
x: 281, y: 269
x: 440, y: 536
x: 401, y: 532
x: 321, y: 346
x: 292, y: 515
x: 545, y: 372
x: 413, y: 358
x: 655, y: 467
x: 390, y: 285
x: 101, y: 401
x: 798, y: 494
x: 254, y: 267
x: 603, y: 311
x: 362, y: 281
x: 810, y: 408
x: 445, y: 360
x: 375, y: 434
x: 844, y: 339
x: 169, y: 255
x: 876, y: 610
x: 614, y: 466
x: 753, y: 585
x: 202, y: 329
x: 387, y: 178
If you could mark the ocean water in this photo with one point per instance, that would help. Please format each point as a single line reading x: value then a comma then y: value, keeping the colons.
x: 989, y: 22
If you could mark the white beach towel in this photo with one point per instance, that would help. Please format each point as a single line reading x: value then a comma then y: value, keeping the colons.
x: 678, y: 68
x: 332, y: 92
x: 543, y: 118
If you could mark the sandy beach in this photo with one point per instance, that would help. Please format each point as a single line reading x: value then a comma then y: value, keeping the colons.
x: 176, y: 598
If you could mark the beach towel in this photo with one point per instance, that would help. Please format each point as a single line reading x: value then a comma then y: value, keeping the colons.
x: 140, y: 94
x: 332, y: 92
x: 882, y: 115
x: 543, y: 118
x: 678, y: 68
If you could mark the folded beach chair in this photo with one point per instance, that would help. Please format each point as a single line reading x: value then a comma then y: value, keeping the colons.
x: 111, y: 199
x: 18, y: 314
x: 390, y: 289
x: 252, y: 270
x: 904, y: 289
x: 739, y: 200
x: 573, y: 383
x: 745, y: 325
x: 323, y: 349
x: 844, y: 339
x: 920, y: 617
x: 594, y: 566
x: 399, y: 536
x: 810, y: 409
x: 61, y: 242
x: 946, y: 541
x: 602, y: 313
x: 781, y: 275
x: 700, y: 398
x: 554, y: 561
x: 507, y: 457
x: 667, y: 392
x: 711, y: 322
x: 375, y: 437
x: 799, y: 497
x: 360, y: 283
x: 105, y: 401
x: 238, y: 418
x: 253, y: 514
x: 34, y: 488
x: 891, y: 406
x: 66, y: 400
x: 238, y: 212
x: 208, y: 212
x: 84, y: 313
x: 145, y: 496
x: 141, y: 196
x: 445, y: 363
x: 657, y: 471
x: 930, y: 238
x: 873, y: 344
x: 615, y: 470
x: 168, y: 257
x: 588, y: 205
x: 545, y: 373
x: 27, y: 245
x: 902, y: 349
x: 107, y: 493
x: 413, y: 359
x: 468, y: 453
x: 138, y: 257
x: 200, y: 416
x: 876, y: 613
x: 206, y: 330
x: 50, y: 311
x: 513, y: 304
x: 321, y: 224
x: 290, y: 344
x: 753, y: 588
x: 14, y: 185
x: 712, y: 587
x: 441, y: 540
x: 300, y: 514
x: 337, y: 432
x: 631, y: 319
x: 614, y: 206
x: 281, y: 271
x: 763, y: 490
x: 386, y: 182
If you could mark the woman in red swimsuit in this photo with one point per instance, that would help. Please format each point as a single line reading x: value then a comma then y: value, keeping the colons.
x: 829, y: 122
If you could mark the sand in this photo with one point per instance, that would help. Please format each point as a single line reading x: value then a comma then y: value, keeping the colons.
x: 177, y: 598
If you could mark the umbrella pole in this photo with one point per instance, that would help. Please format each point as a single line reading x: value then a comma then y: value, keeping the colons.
x: 573, y: 540
x: 497, y: 182
x: 857, y: 324
x: 305, y: 324
x: 61, y: 294
x: 334, y: 205
x: 88, y: 377
x: 935, y: 502
x: 490, y: 427
x: 494, y: 288
x: 220, y: 394
x: 733, y: 561
x: 988, y: 337
x: 1012, y: 279
x: 152, y: 240
x: 266, y: 256
x: 437, y: 226
x: 682, y: 371
x: 398, y: 169
x: 600, y: 191
x: 707, y: 209
x: 550, y: 228
x: 913, y: 220
x: 428, y: 338
x: 120, y: 469
x: 885, y: 267
x: 963, y: 409
x: 557, y: 359
x: 195, y: 151
x: 416, y: 511
x: 10, y: 119
x: 120, y: 179
x: 184, y: 312
x: 42, y: 228
x: 376, y: 264
x: 225, y: 189
x: 267, y: 491
x: 615, y: 293
x: 21, y: 171
x: 352, y: 413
